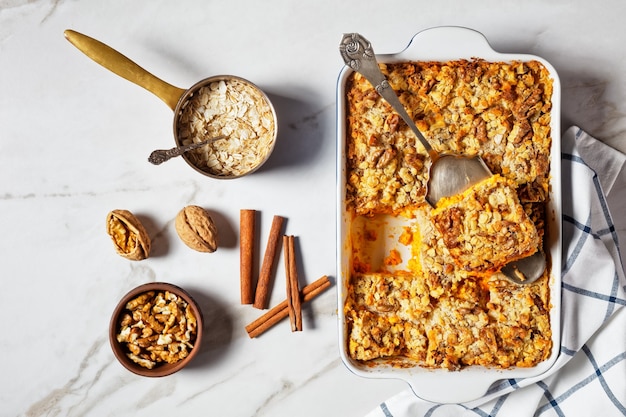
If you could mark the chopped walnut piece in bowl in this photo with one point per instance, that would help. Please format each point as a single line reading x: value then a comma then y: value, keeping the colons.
x: 156, y: 329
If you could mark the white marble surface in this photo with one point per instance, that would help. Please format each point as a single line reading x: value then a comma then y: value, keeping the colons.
x: 74, y: 139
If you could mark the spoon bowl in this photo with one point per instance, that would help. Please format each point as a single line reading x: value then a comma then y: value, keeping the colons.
x: 526, y: 270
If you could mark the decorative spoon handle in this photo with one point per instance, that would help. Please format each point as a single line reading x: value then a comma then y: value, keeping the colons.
x: 358, y: 54
x: 161, y: 155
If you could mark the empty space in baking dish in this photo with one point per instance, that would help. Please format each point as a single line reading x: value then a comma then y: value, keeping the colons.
x: 377, y: 242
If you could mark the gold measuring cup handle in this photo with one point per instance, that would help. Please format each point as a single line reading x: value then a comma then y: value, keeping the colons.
x: 124, y: 67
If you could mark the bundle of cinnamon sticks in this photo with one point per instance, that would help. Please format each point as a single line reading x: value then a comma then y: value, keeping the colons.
x: 259, y: 296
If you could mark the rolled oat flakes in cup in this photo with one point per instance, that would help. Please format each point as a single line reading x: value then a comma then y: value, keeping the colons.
x: 232, y: 107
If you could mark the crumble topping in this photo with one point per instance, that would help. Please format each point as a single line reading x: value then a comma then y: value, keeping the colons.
x: 448, y: 306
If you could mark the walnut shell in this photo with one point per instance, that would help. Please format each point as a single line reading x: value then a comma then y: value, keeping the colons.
x: 196, y: 229
x: 128, y: 235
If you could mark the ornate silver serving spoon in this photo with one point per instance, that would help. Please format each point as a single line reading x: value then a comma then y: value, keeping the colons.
x: 449, y: 174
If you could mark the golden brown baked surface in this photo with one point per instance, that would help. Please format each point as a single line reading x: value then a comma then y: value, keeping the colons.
x: 396, y: 317
x: 486, y: 227
x: 447, y: 306
x: 500, y: 111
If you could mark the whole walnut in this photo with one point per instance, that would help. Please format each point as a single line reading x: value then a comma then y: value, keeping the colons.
x: 130, y: 238
x: 196, y: 229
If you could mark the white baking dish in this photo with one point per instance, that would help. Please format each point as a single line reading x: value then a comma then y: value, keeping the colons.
x: 438, y: 385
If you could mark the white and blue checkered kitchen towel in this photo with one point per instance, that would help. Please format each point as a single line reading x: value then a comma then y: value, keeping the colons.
x: 589, y: 376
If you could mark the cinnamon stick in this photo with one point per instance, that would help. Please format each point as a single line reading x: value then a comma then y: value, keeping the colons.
x: 287, y: 257
x: 280, y: 311
x: 246, y: 253
x: 293, y: 291
x: 261, y: 297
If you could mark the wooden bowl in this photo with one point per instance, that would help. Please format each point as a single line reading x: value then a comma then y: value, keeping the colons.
x: 121, y: 351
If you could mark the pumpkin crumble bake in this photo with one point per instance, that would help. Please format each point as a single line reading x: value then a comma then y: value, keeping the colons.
x: 486, y: 227
x: 446, y: 305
